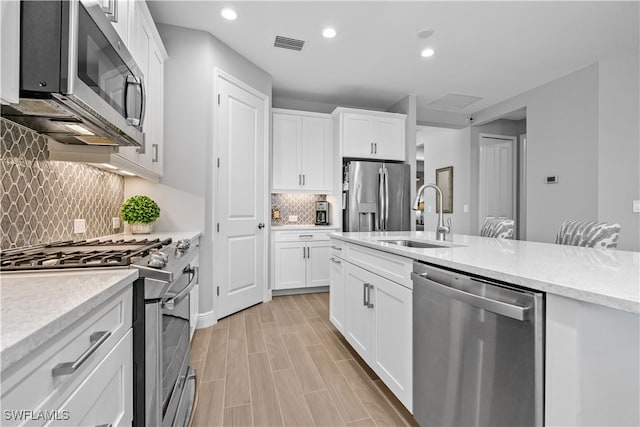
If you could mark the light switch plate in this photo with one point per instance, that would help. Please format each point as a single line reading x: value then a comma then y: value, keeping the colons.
x: 79, y: 226
x: 293, y: 218
x: 636, y: 206
x: 115, y: 222
x: 465, y: 208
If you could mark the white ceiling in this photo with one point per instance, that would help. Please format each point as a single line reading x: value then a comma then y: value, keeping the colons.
x: 491, y: 50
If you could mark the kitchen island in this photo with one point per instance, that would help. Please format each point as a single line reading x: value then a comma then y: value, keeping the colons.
x: 591, y: 321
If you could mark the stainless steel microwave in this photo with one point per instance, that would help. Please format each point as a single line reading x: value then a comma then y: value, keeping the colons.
x: 78, y: 82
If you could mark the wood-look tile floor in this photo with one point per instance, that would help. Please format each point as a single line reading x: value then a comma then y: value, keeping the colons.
x: 283, y: 363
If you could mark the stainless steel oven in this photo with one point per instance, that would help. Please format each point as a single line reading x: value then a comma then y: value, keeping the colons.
x: 164, y: 383
x: 78, y: 82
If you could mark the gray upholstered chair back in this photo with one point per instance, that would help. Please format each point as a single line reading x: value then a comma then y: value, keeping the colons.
x: 501, y: 228
x: 601, y: 235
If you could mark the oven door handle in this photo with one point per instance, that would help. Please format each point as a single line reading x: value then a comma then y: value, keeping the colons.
x: 170, y: 303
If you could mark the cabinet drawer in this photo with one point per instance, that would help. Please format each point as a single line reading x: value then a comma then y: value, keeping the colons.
x: 105, y: 397
x: 337, y: 248
x: 32, y: 385
x: 301, y: 236
x: 387, y: 265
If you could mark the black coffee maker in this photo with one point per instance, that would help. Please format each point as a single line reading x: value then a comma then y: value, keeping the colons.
x: 322, y: 213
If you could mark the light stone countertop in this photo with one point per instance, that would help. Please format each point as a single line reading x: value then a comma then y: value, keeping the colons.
x: 34, y: 307
x: 609, y: 278
x: 303, y: 227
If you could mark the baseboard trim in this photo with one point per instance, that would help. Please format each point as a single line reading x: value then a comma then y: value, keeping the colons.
x: 298, y: 291
x: 204, y: 320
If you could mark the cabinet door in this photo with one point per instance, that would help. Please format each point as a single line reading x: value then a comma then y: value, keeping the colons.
x: 357, y: 136
x: 393, y: 354
x: 359, y: 319
x: 336, y: 293
x: 316, y: 154
x: 318, y: 263
x: 287, y: 132
x: 290, y: 262
x: 120, y: 20
x: 155, y: 90
x: 10, y: 52
x: 388, y: 135
x: 106, y: 396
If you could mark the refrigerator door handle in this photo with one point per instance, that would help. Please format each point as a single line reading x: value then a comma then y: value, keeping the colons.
x: 386, y: 197
x: 380, y: 199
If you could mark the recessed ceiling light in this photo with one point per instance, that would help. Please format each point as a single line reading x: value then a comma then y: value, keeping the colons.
x: 427, y: 52
x: 229, y: 14
x: 329, y: 33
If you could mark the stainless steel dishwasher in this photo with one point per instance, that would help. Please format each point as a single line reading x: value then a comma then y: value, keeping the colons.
x: 477, y: 351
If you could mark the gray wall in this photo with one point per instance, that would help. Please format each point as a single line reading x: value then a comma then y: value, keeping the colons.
x: 562, y: 133
x: 189, y: 134
x: 619, y: 147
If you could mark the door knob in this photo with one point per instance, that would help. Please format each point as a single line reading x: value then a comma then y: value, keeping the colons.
x: 261, y: 225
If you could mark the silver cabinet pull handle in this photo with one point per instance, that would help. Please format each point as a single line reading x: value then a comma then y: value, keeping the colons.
x: 66, y: 368
x: 375, y: 148
x: 299, y: 179
x: 155, y: 153
x: 364, y: 294
x: 302, y: 236
x: 369, y: 303
x: 304, y: 252
x: 336, y: 248
x: 308, y: 252
x: 335, y: 260
x: 303, y: 179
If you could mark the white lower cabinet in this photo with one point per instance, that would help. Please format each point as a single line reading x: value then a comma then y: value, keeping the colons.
x: 378, y: 323
x: 98, y: 391
x: 336, y: 293
x: 300, y: 260
x: 106, y: 395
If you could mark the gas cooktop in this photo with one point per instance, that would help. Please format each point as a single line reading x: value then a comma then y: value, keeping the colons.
x: 79, y: 254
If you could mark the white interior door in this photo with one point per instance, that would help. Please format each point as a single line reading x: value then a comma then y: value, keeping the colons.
x: 240, y: 244
x: 497, y: 182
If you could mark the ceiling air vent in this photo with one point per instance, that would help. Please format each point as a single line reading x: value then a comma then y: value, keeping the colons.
x: 288, y: 43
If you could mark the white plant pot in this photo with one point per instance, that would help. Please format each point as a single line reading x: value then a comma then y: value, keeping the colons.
x: 140, y: 228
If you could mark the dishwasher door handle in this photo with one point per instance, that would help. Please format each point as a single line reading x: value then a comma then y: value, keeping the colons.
x: 498, y: 307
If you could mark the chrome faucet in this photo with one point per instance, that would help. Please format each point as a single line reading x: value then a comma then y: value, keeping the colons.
x: 442, y: 229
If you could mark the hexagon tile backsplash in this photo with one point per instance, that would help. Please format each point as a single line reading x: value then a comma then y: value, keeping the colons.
x: 41, y: 198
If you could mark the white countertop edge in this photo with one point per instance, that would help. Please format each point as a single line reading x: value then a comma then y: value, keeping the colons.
x: 304, y: 227
x: 544, y: 286
x: 22, y: 347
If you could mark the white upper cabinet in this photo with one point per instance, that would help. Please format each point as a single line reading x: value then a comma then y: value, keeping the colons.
x: 301, y: 151
x: 371, y: 134
x: 10, y: 53
x: 119, y: 13
x: 148, y: 51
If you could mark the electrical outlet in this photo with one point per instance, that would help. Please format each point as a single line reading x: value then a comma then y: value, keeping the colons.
x: 465, y: 208
x: 79, y: 226
x: 428, y: 208
x: 636, y: 206
x: 115, y: 222
x: 293, y: 218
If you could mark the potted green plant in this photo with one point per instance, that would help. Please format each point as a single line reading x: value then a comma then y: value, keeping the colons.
x: 140, y: 212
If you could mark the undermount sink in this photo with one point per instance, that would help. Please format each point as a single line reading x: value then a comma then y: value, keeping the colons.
x: 415, y: 244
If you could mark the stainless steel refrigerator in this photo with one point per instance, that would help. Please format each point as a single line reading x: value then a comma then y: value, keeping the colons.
x: 376, y: 197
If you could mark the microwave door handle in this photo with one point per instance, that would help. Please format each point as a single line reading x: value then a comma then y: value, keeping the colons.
x: 133, y: 81
x: 143, y: 100
x: 380, y: 200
